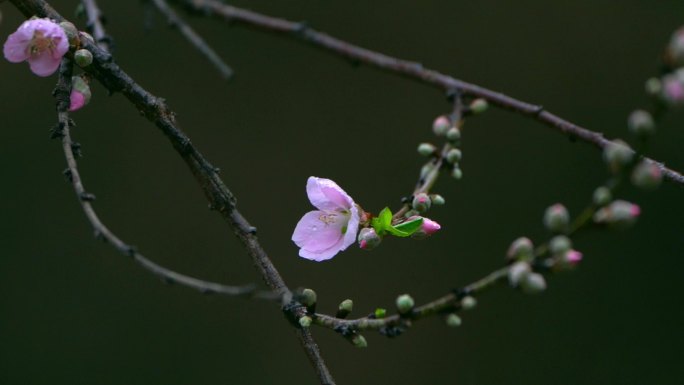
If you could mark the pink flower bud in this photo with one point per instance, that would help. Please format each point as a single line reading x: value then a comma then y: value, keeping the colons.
x: 428, y: 228
x: 441, y: 125
x: 77, y: 100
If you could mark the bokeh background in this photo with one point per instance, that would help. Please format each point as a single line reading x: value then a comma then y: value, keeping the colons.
x: 73, y: 311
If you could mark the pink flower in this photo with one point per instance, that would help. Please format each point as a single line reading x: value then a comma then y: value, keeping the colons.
x: 40, y: 41
x: 322, y: 233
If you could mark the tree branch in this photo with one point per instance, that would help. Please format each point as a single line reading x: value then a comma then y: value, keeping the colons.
x: 95, y: 25
x: 219, y: 196
x: 413, y: 70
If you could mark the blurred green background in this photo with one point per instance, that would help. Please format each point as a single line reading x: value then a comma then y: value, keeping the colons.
x: 73, y: 311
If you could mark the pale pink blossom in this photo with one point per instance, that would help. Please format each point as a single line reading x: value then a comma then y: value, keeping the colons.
x: 41, y: 42
x: 322, y: 233
x: 77, y: 100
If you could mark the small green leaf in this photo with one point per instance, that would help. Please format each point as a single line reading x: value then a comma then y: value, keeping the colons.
x: 410, y: 227
x: 380, y: 313
x: 383, y: 222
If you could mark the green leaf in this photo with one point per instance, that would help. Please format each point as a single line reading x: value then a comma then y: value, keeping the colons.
x: 383, y: 222
x: 410, y: 227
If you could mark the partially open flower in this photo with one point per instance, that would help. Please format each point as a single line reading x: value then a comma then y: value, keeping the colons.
x: 322, y: 233
x: 41, y: 42
x: 427, y: 228
x: 80, y: 93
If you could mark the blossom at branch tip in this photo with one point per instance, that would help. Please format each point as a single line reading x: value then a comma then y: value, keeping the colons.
x: 427, y: 228
x: 322, y: 233
x: 41, y: 42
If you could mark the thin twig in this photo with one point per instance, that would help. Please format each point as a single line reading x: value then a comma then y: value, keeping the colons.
x: 101, y: 231
x: 95, y: 25
x: 408, y: 69
x: 194, y: 38
x: 219, y: 196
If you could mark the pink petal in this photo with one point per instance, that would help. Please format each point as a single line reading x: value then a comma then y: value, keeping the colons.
x: 326, y: 195
x: 321, y: 255
x: 313, y: 234
x: 16, y: 45
x: 352, y: 228
x: 77, y: 100
x: 44, y: 64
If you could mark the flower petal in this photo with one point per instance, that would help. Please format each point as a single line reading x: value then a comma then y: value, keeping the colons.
x: 352, y: 228
x: 44, y: 64
x: 16, y: 45
x: 318, y: 231
x: 326, y: 195
x: 77, y: 100
x: 321, y: 255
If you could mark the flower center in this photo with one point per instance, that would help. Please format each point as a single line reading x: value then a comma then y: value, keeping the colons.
x: 327, y: 218
x: 40, y: 43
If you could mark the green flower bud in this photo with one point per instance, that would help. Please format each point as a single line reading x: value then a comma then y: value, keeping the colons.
x: 641, y: 124
x: 556, y: 218
x: 602, y: 196
x: 517, y: 272
x: 307, y: 297
x: 345, y: 308
x: 305, y: 321
x: 533, y: 283
x: 479, y: 106
x: 456, y: 173
x: 619, y: 214
x: 653, y: 87
x: 453, y: 134
x: 559, y: 244
x: 468, y: 302
x: 368, y: 238
x: 404, y: 303
x: 453, y: 320
x: 87, y: 37
x: 380, y: 313
x: 437, y: 199
x: 454, y: 155
x: 71, y: 32
x: 83, y: 57
x: 617, y: 154
x: 421, y: 202
x: 647, y: 175
x: 426, y: 149
x: 521, y: 248
x: 441, y: 125
x: 359, y: 341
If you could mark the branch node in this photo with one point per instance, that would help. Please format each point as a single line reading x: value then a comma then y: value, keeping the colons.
x: 86, y: 197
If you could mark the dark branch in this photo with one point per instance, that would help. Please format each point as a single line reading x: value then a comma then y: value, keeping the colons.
x: 195, y: 39
x: 95, y: 25
x: 62, y: 92
x: 406, y: 68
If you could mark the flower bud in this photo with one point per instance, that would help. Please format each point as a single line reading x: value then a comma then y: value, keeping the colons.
x: 454, y: 155
x: 675, y: 50
x: 83, y: 57
x: 641, y: 124
x: 305, y: 321
x: 602, y: 196
x: 653, y: 87
x: 421, y: 202
x: 647, y: 175
x: 427, y: 228
x: 673, y: 90
x: 453, y: 134
x: 437, y: 199
x: 468, y: 302
x: 380, y: 313
x: 344, y: 308
x: 426, y: 149
x: 517, y: 272
x: 556, y: 218
x: 307, y: 297
x: 359, y: 341
x: 619, y: 214
x: 368, y: 238
x: 617, y: 154
x: 559, y: 244
x: 70, y: 31
x: 441, y: 125
x: 478, y: 106
x: 533, y: 283
x: 87, y: 37
x: 456, y: 173
x: 80, y: 93
x: 521, y: 248
x: 453, y: 320
x: 404, y: 303
x: 569, y: 259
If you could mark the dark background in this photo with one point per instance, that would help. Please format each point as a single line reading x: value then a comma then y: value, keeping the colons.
x: 73, y: 311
